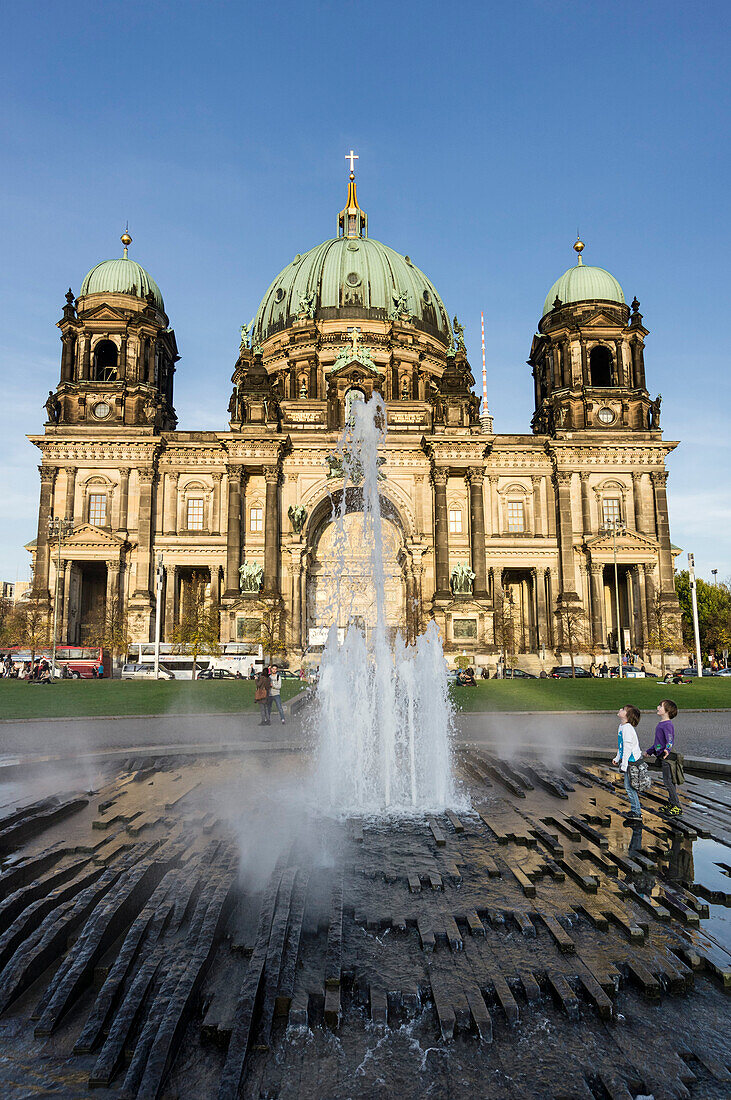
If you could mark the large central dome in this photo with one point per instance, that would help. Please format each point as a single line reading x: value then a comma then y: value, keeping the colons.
x: 353, y: 277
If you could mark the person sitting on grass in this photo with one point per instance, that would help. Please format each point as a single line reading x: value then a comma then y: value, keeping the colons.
x: 469, y: 678
x: 663, y: 752
x: 629, y: 751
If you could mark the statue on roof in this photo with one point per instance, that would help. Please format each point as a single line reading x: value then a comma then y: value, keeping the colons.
x: 458, y: 335
x: 307, y: 304
x: 400, y: 306
x: 53, y: 408
x: 245, y: 337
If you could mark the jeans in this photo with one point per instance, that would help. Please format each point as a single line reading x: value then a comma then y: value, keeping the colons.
x: 275, y: 699
x: 667, y: 778
x: 634, y: 798
x: 264, y: 712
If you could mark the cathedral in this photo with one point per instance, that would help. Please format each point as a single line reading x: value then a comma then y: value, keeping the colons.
x: 530, y: 546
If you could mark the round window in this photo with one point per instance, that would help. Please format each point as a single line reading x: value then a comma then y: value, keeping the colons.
x: 353, y: 279
x: 278, y: 294
x: 426, y: 296
x: 605, y: 415
x: 101, y: 410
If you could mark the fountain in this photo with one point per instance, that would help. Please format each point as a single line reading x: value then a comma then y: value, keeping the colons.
x: 383, y: 714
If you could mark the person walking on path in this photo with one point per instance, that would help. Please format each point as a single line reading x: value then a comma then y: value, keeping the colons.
x: 275, y: 692
x: 261, y: 696
x: 664, y: 753
x: 629, y: 752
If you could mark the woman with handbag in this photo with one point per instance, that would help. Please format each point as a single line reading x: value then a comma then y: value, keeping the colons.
x: 261, y: 696
x: 629, y: 755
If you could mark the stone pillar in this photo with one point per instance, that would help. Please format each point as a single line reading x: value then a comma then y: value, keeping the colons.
x: 123, y: 497
x: 67, y: 357
x: 233, y: 531
x: 585, y: 504
x: 86, y: 358
x: 270, y: 586
x: 122, y: 369
x: 566, y: 536
x: 584, y: 366
x: 144, y: 532
x: 550, y: 608
x: 111, y: 605
x: 642, y: 606
x: 475, y: 478
x: 170, y: 518
x: 419, y: 503
x: 170, y: 582
x: 409, y: 584
x: 296, y: 568
x: 441, y: 534
x: 494, y: 506
x: 539, y: 528
x: 650, y: 610
x: 597, y: 604
x: 637, y: 504
x: 151, y: 354
x: 41, y: 590
x: 667, y: 584
x: 216, y: 507
x: 621, y: 379
x: 539, y: 603
x: 70, y: 472
x: 65, y: 603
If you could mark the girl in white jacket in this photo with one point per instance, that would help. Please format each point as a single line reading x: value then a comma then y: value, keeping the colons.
x: 629, y: 751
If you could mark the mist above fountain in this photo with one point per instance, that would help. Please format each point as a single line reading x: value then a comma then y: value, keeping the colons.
x: 383, y: 710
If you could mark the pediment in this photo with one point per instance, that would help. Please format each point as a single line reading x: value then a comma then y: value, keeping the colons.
x: 602, y: 319
x: 355, y: 371
x: 632, y: 541
x: 86, y: 535
x: 104, y: 313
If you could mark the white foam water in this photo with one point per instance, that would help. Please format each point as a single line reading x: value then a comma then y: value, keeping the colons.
x: 384, y: 716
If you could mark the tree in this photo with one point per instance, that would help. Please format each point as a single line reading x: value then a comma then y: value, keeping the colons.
x: 198, y: 631
x: 663, y: 629
x: 573, y: 630
x: 714, y: 613
x: 27, y: 625
x: 503, y: 622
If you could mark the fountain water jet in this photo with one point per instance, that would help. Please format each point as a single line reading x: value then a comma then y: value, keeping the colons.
x: 384, y: 716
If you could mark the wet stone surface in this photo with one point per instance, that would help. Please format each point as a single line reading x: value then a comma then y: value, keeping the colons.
x: 198, y: 929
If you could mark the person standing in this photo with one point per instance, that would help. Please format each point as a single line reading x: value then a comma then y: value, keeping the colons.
x: 664, y: 752
x: 629, y: 752
x: 261, y: 696
x: 275, y: 692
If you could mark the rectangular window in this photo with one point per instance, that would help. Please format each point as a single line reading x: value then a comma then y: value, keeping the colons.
x: 611, y: 511
x: 455, y: 521
x: 256, y: 519
x: 97, y: 509
x: 195, y: 514
x: 516, y: 517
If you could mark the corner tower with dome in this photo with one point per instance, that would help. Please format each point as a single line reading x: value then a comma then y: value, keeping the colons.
x: 508, y: 541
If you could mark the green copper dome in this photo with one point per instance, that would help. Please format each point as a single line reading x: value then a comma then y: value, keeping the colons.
x: 351, y: 277
x: 121, y: 276
x: 583, y: 283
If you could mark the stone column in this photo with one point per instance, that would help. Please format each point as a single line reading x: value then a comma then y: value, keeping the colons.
x: 637, y: 504
x: 475, y: 478
x: 270, y: 586
x: 409, y: 585
x: 65, y: 604
x: 441, y: 534
x: 537, y: 481
x: 216, y: 508
x: 70, y: 472
x: 170, y: 518
x: 112, y: 593
x: 667, y: 584
x: 67, y: 356
x: 539, y: 603
x: 550, y: 607
x: 86, y: 358
x: 494, y: 506
x: 585, y: 504
x: 622, y: 381
x: 566, y: 536
x: 170, y: 581
x: 419, y: 503
x: 151, y: 355
x: 123, y: 497
x: 233, y: 531
x: 296, y: 568
x: 649, y: 571
x: 597, y: 604
x: 144, y: 532
x: 41, y: 590
x: 642, y: 606
x: 122, y: 371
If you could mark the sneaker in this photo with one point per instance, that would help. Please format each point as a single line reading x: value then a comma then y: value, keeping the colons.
x: 282, y: 721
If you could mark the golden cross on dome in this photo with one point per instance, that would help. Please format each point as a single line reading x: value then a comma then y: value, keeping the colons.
x: 351, y: 156
x: 354, y: 334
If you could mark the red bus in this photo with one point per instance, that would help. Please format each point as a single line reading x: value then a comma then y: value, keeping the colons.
x: 80, y: 660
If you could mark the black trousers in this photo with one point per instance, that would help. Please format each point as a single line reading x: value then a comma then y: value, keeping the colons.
x: 667, y: 778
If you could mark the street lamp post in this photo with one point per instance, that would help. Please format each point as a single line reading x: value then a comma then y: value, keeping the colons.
x: 616, y: 527
x: 57, y: 528
x: 158, y: 613
x: 694, y: 602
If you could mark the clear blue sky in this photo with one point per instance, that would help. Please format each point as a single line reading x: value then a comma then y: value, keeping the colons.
x: 487, y: 134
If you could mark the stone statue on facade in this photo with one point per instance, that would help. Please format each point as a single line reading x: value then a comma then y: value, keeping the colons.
x: 458, y: 334
x: 245, y: 337
x: 307, y: 304
x: 304, y: 392
x: 297, y: 517
x: 400, y: 307
x: 232, y: 404
x: 53, y: 407
x: 461, y: 579
x: 405, y: 392
x: 655, y: 411
x: 250, y: 576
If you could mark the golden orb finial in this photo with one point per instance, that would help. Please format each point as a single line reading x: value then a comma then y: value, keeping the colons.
x: 126, y: 240
x: 579, y: 248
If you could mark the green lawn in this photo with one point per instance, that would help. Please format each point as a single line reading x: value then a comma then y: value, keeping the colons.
x: 107, y: 698
x: 505, y: 695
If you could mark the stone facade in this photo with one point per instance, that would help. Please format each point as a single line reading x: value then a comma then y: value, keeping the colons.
x: 502, y: 538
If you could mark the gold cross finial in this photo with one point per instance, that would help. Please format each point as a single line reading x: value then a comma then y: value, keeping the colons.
x: 354, y: 334
x: 351, y: 156
x: 126, y: 240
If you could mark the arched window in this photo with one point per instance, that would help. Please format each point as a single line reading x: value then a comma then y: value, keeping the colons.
x: 105, y: 361
x: 351, y: 398
x: 600, y: 366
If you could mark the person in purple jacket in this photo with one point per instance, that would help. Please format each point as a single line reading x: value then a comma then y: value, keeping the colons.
x: 662, y: 747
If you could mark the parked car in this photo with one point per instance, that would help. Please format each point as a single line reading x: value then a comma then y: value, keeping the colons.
x: 563, y: 672
x: 722, y: 672
x: 218, y: 674
x: 694, y: 672
x: 518, y: 674
x: 146, y: 672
